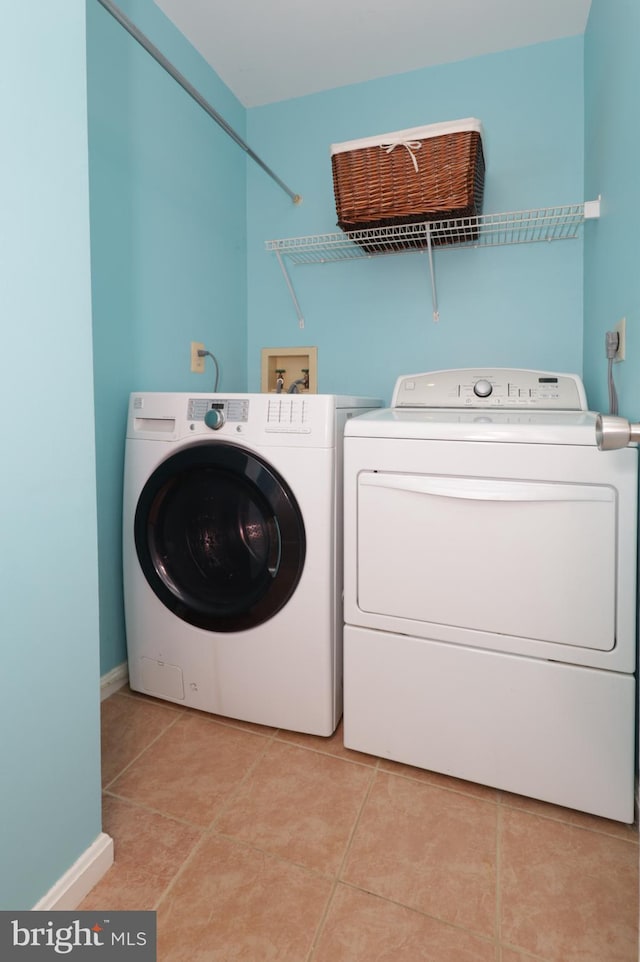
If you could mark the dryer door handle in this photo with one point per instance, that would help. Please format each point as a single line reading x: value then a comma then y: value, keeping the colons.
x: 481, y: 489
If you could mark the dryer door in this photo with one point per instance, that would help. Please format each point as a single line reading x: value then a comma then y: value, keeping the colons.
x: 525, y: 559
x: 220, y: 537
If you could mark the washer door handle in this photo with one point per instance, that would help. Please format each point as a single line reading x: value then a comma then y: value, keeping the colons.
x: 275, y: 547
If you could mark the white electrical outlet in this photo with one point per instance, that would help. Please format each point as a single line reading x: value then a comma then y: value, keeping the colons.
x: 620, y: 329
x: 197, y: 363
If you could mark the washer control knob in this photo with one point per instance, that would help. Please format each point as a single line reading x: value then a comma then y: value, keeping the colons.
x: 214, y: 419
x: 482, y: 388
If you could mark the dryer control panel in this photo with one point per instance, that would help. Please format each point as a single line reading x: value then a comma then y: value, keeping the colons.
x: 490, y: 388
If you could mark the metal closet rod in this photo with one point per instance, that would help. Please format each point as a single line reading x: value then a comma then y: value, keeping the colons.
x: 151, y: 49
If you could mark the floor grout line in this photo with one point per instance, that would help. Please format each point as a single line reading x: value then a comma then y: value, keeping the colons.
x: 631, y: 839
x: 190, y: 857
x: 481, y: 936
x: 326, y: 754
x: 338, y: 875
x: 498, y: 919
x: 358, y: 818
x: 171, y: 724
x: 211, y: 827
x: 145, y: 807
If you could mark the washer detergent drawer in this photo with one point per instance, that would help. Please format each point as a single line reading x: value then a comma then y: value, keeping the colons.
x: 530, y: 559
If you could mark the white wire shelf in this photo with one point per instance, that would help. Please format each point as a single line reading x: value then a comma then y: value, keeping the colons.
x: 487, y: 230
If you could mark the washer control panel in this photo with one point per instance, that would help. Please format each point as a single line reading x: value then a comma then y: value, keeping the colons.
x: 202, y: 409
x: 490, y: 388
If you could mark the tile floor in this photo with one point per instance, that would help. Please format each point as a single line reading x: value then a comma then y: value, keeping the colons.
x: 262, y: 845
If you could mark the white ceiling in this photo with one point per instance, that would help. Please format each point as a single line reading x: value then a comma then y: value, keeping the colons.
x: 270, y: 50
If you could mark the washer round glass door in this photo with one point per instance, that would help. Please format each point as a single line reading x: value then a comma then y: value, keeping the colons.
x: 220, y: 537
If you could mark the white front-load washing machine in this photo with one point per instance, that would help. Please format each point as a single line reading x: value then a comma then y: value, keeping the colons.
x: 232, y: 553
x: 490, y: 587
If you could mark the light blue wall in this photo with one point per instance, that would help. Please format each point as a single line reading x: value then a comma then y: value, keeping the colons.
x: 168, y: 242
x: 49, y: 709
x: 612, y: 247
x: 372, y: 320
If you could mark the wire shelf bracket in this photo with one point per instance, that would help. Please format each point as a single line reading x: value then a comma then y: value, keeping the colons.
x: 292, y: 292
x: 487, y: 230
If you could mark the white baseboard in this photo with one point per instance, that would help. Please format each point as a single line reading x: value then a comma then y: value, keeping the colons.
x: 113, y: 680
x: 84, y: 874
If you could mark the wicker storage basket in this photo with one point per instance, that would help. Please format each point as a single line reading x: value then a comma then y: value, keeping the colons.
x: 409, y: 176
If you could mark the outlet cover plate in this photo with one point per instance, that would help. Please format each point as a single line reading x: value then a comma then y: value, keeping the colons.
x: 197, y: 363
x: 621, y: 330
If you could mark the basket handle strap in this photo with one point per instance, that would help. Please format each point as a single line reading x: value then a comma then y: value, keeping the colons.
x: 411, y: 145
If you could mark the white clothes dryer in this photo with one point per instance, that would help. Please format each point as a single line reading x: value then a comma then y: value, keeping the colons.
x: 232, y: 553
x: 490, y: 587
